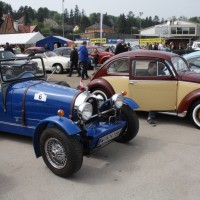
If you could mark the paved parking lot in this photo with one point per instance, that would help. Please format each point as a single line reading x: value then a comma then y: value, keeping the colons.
x: 161, y: 163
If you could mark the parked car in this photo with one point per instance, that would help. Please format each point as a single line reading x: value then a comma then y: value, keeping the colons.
x: 103, y: 55
x: 65, y: 124
x: 32, y: 50
x: 63, y: 51
x: 52, y: 60
x: 15, y: 66
x: 175, y: 88
x: 194, y: 60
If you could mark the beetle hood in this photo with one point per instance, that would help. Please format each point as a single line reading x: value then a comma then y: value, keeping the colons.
x: 190, y: 77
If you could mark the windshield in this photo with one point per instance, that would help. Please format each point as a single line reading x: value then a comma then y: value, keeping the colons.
x: 50, y: 54
x: 179, y: 64
x: 100, y: 49
x: 7, y: 55
x: 21, y: 68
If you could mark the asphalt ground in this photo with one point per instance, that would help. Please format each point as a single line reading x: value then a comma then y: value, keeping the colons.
x: 161, y: 163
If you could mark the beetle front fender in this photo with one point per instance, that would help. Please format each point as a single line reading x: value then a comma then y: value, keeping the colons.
x: 67, y: 125
x: 131, y: 103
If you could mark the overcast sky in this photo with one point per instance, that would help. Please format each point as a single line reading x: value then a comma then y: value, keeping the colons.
x: 163, y: 9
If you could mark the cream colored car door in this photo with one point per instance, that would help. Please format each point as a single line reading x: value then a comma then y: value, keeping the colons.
x: 152, y: 92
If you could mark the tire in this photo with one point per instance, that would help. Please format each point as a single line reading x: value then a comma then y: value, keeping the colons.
x: 59, y: 68
x: 101, y: 94
x: 132, y: 127
x: 194, y: 114
x: 104, y: 60
x: 62, y: 154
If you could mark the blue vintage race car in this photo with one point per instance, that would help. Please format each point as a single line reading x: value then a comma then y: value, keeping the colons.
x: 65, y: 123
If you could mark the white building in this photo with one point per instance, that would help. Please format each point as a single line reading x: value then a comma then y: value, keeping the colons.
x: 178, y: 31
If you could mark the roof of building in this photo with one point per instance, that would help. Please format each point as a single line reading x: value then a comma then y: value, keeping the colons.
x: 97, y: 26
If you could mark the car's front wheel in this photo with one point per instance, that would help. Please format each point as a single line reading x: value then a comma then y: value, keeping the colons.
x: 62, y: 154
x: 58, y: 68
x: 194, y: 114
x: 132, y: 124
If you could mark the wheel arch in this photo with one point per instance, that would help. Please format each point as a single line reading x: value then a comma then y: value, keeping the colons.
x: 104, y: 58
x: 68, y: 127
x: 188, y: 100
x: 132, y: 104
x: 102, y: 84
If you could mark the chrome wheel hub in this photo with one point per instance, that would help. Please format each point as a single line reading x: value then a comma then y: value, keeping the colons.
x: 55, y: 153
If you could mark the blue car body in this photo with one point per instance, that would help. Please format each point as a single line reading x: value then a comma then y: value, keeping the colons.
x: 30, y: 105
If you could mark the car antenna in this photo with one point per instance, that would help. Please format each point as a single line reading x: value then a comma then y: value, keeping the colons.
x: 53, y: 71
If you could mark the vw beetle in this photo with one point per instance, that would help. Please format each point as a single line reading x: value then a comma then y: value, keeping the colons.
x: 65, y: 123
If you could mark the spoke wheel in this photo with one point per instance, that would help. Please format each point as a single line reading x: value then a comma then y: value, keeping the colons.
x: 63, y: 154
x: 55, y: 153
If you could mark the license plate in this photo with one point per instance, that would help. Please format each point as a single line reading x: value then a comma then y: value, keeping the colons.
x: 105, y: 139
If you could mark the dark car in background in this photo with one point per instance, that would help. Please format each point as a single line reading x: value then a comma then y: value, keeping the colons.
x: 15, y: 66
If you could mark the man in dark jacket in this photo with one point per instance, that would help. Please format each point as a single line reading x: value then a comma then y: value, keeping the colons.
x: 9, y: 48
x: 74, y: 61
x: 119, y: 47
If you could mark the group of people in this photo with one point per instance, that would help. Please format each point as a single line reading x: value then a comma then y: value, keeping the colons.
x: 79, y: 61
x: 120, y: 48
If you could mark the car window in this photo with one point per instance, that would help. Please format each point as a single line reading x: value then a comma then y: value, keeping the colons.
x: 6, y: 55
x: 194, y: 64
x: 66, y: 51
x: 119, y: 66
x: 90, y: 50
x: 149, y: 68
x: 179, y: 64
x: 28, y: 51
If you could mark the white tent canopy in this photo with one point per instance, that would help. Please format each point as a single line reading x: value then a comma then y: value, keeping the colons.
x: 20, y: 38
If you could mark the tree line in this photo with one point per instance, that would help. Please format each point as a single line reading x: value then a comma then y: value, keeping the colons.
x: 122, y: 24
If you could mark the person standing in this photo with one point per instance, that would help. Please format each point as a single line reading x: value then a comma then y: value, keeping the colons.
x: 9, y: 48
x: 95, y: 60
x: 119, y: 47
x: 84, y: 58
x: 46, y: 47
x: 74, y: 61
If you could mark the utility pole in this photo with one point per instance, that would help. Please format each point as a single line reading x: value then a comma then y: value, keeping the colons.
x: 63, y: 19
x: 140, y: 14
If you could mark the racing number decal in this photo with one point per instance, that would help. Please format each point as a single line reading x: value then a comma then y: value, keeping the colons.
x: 40, y: 96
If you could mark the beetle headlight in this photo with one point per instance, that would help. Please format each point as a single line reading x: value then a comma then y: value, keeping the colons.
x: 117, y: 100
x: 85, y: 111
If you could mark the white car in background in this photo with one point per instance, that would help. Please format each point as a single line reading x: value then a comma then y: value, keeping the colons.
x: 53, y: 61
x: 193, y: 60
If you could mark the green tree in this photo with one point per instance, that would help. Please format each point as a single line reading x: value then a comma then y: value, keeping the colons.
x: 94, y: 18
x: 122, y: 25
x: 84, y: 22
x: 77, y: 16
x: 71, y: 17
x: 195, y: 19
x: 106, y: 20
x: 66, y: 16
x: 42, y: 13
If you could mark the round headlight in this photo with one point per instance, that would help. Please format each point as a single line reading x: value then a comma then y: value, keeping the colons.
x: 85, y: 111
x: 117, y: 100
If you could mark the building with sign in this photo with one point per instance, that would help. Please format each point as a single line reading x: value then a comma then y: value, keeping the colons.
x: 178, y: 31
x: 108, y: 35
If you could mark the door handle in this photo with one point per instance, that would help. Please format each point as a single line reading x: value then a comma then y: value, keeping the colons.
x: 133, y: 82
